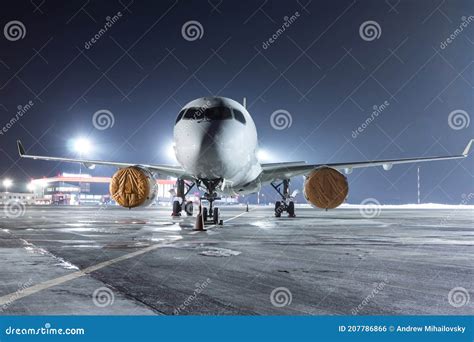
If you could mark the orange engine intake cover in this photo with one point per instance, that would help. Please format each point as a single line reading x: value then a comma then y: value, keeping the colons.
x: 129, y: 187
x: 326, y: 188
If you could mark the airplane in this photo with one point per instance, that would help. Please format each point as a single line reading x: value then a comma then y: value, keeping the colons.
x: 216, y: 145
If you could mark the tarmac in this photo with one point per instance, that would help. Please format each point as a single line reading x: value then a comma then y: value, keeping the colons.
x: 114, y: 261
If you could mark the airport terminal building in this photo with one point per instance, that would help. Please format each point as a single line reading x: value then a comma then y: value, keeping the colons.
x: 76, y: 189
x: 84, y: 189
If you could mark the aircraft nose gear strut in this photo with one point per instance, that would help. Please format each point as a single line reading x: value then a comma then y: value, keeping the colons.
x: 210, y: 195
x: 286, y: 204
x: 182, y: 190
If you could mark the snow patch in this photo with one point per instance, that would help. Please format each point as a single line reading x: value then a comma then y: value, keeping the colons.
x: 401, y: 206
x: 413, y: 206
x: 219, y: 252
x: 41, y: 251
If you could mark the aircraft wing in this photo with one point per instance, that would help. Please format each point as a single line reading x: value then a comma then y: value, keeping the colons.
x: 280, y: 171
x: 167, y: 170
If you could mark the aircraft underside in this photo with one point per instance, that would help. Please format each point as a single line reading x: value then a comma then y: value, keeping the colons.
x: 213, y: 189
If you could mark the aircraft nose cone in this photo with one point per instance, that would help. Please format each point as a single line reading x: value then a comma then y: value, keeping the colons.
x: 204, y: 149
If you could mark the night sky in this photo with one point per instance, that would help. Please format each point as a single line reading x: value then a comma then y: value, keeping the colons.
x: 325, y: 71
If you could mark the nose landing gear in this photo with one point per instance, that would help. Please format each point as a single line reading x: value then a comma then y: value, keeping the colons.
x: 212, y: 213
x: 286, y: 204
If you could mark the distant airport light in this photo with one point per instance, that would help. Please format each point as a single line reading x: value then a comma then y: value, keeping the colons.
x: 30, y: 187
x: 263, y: 155
x: 41, y: 182
x: 82, y: 146
x: 7, y: 183
x: 170, y: 152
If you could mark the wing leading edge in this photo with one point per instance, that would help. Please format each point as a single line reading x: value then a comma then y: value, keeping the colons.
x: 286, y: 170
x: 167, y: 170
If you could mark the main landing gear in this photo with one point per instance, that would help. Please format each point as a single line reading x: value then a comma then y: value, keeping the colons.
x: 182, y: 190
x: 286, y: 204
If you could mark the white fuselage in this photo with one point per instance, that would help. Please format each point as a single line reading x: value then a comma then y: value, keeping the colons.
x: 215, y: 138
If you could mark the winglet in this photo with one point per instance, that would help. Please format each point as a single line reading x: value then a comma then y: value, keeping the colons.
x: 21, y: 149
x: 468, y: 147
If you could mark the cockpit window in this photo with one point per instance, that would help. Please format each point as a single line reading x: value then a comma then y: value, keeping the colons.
x: 203, y: 113
x: 239, y: 116
x: 218, y: 113
x: 193, y: 113
x: 180, y: 115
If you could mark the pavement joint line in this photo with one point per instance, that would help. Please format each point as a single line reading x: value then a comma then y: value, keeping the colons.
x: 14, y: 296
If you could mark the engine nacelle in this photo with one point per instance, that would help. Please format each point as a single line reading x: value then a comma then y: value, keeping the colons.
x: 133, y: 186
x: 326, y: 188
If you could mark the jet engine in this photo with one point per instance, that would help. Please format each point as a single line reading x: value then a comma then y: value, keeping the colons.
x: 326, y: 188
x: 133, y: 186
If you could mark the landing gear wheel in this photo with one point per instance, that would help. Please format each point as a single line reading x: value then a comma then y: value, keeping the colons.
x: 278, y: 209
x: 286, y: 204
x: 176, y: 208
x: 291, y: 209
x: 215, y: 216
x: 188, y: 208
x: 204, y: 214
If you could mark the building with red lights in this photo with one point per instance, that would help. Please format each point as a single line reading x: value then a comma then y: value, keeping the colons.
x: 75, y: 189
